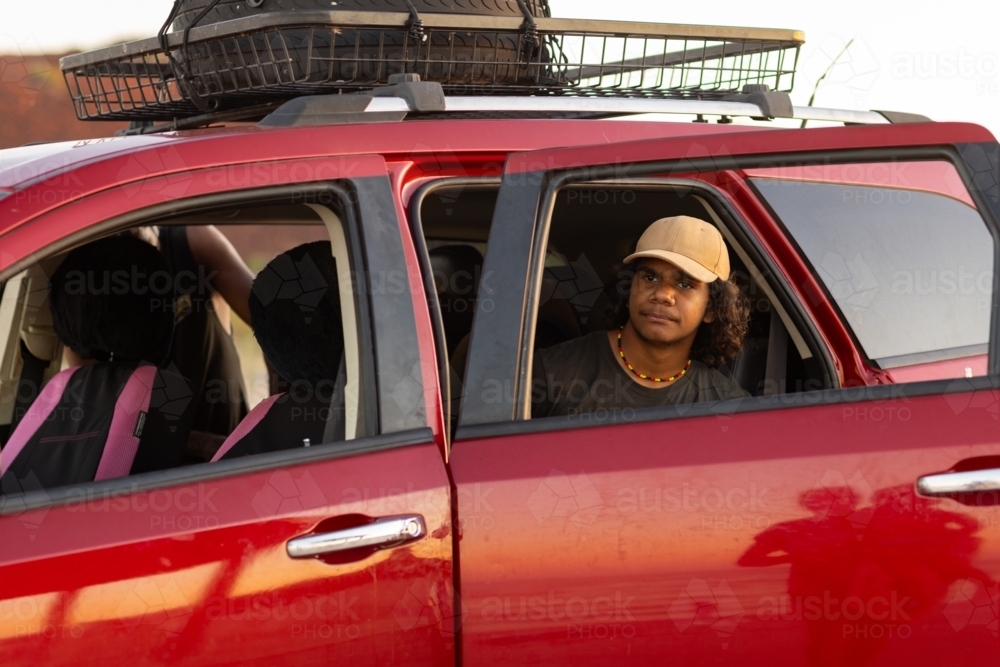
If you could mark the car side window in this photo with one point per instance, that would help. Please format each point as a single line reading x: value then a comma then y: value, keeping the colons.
x: 129, y: 353
x: 902, y: 251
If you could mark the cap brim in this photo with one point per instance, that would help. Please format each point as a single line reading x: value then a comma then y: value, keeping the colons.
x: 684, y: 263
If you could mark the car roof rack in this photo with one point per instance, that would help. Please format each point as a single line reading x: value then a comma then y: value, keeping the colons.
x: 277, y: 56
x: 343, y: 109
x: 408, y: 97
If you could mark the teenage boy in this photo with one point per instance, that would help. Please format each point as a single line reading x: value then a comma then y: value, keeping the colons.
x: 682, y: 319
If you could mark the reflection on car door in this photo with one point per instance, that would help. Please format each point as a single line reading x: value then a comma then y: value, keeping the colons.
x: 193, y: 565
x: 198, y: 572
x: 780, y: 529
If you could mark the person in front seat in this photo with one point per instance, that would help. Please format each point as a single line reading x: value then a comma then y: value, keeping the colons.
x: 682, y: 319
x: 204, y: 350
x: 211, y: 281
x: 117, y: 412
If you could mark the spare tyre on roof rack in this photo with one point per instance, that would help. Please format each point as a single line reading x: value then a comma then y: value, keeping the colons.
x: 300, y: 54
x: 244, y: 67
x: 226, y: 10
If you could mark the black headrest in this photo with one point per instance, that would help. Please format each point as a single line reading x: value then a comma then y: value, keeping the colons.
x: 114, y: 297
x: 295, y: 313
x: 457, y: 269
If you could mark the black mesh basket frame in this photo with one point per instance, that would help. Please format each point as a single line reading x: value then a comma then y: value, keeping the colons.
x: 270, y: 58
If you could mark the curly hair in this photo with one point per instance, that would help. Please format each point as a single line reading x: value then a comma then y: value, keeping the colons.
x: 719, y: 341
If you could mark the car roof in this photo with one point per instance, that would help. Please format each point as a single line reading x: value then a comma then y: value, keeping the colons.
x: 41, y: 165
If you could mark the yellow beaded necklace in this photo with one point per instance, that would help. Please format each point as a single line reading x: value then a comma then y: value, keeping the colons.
x: 621, y: 352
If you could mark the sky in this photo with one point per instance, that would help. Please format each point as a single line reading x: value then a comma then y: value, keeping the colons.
x: 939, y: 59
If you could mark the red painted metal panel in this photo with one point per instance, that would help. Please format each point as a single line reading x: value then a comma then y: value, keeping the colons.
x: 772, y: 143
x: 198, y: 574
x: 789, y: 536
x: 55, y: 179
x: 162, y: 188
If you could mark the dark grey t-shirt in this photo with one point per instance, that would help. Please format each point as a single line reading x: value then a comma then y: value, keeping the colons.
x: 582, y: 376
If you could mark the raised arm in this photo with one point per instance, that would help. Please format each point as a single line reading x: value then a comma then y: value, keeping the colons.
x: 232, y: 276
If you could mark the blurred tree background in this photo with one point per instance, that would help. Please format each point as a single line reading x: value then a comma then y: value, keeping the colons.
x: 35, y: 105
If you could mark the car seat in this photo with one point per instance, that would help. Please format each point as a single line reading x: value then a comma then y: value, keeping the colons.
x: 761, y: 367
x: 120, y: 414
x: 557, y: 323
x: 457, y: 270
x: 295, y: 315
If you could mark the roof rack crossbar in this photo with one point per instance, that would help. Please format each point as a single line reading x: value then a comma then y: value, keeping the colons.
x: 368, y: 108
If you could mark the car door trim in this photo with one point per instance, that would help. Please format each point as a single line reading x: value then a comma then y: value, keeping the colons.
x: 729, y: 408
x: 980, y: 182
x: 397, y: 348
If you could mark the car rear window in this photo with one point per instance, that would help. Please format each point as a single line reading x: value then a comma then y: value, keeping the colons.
x: 911, y: 268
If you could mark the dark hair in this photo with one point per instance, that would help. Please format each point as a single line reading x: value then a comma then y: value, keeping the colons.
x: 717, y: 342
x: 295, y: 313
x: 113, y: 300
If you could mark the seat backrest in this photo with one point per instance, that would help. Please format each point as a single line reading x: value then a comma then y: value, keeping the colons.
x: 296, y: 318
x: 457, y: 270
x: 747, y: 369
x: 99, y: 422
x: 278, y: 423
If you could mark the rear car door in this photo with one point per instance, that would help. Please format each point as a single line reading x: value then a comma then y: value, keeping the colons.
x: 849, y: 522
x: 195, y: 565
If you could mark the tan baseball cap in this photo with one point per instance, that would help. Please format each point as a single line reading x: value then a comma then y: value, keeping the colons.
x: 690, y: 244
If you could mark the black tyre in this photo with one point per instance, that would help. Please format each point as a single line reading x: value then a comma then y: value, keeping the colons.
x: 356, y: 58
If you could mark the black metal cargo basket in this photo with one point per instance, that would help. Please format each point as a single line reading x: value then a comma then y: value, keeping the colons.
x: 274, y: 57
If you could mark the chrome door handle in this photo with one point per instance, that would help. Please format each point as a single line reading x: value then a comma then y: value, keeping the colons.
x: 380, y: 533
x: 949, y: 483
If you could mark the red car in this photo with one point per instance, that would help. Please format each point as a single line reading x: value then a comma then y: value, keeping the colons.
x: 845, y: 513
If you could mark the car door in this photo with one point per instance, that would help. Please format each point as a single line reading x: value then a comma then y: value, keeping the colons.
x: 786, y: 528
x: 218, y: 563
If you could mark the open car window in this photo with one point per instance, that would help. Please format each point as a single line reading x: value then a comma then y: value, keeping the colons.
x: 583, y: 279
x: 585, y: 287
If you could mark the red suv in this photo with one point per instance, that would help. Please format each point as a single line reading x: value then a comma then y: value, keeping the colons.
x: 479, y: 180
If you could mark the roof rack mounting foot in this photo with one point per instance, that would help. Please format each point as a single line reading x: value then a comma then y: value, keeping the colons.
x: 420, y: 96
x: 772, y: 104
x: 897, y: 117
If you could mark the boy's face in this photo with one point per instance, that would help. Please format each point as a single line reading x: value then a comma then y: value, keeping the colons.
x: 666, y: 306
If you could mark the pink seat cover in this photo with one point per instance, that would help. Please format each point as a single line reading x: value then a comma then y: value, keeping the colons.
x: 122, y: 444
x: 247, y: 425
x: 37, y: 414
